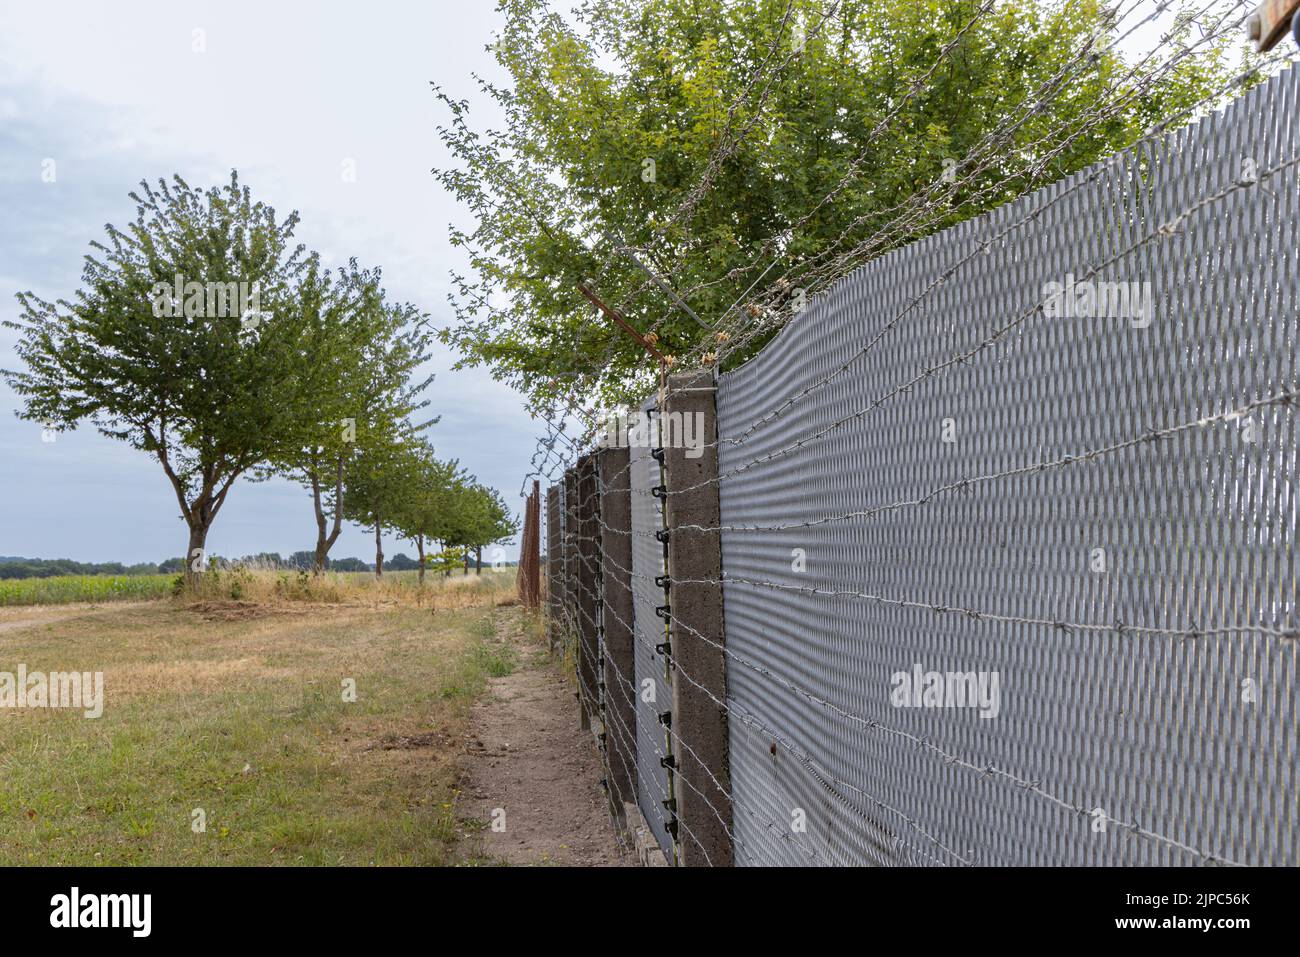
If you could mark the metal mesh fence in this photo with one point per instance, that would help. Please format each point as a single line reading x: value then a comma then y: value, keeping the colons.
x: 1090, y: 503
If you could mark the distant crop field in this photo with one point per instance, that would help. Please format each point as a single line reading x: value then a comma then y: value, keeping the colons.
x: 61, y: 589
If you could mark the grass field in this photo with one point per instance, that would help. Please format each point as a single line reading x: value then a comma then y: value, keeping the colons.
x: 235, y: 709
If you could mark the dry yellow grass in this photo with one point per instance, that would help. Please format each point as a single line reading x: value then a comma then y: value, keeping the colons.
x: 265, y: 587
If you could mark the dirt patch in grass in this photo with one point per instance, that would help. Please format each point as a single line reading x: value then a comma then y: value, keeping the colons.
x: 16, y: 617
x: 409, y: 742
x: 241, y: 610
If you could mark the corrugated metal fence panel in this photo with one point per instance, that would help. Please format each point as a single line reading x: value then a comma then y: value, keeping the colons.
x: 647, y: 562
x: 1195, y: 530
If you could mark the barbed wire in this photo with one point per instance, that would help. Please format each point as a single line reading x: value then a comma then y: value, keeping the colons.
x: 828, y: 779
x: 1165, y: 230
x: 559, y: 446
x: 715, y: 160
x: 701, y: 762
x: 902, y: 226
x: 1282, y: 398
x: 1100, y: 169
x: 985, y: 768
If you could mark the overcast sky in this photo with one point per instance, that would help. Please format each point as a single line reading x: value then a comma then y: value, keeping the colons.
x: 285, y: 92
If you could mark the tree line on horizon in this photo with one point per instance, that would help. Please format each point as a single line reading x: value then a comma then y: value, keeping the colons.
x: 205, y: 336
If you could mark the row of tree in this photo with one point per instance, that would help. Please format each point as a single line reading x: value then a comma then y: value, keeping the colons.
x: 204, y: 335
x: 16, y: 566
x: 424, y: 499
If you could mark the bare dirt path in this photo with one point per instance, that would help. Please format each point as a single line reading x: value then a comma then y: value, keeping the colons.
x: 15, y: 617
x: 528, y: 766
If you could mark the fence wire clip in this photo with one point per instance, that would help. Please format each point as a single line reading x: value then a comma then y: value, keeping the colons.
x: 657, y: 455
x: 664, y: 648
x: 669, y: 761
x: 660, y: 491
x: 670, y: 805
x: 663, y: 581
x: 662, y: 535
x: 666, y: 718
x: 663, y: 611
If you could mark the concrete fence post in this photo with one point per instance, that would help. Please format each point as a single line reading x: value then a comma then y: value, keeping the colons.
x: 688, y: 434
x: 554, y: 566
x: 588, y: 573
x: 570, y: 599
x: 617, y: 648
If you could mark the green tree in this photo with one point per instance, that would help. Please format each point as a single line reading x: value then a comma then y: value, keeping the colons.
x: 447, y: 560
x: 360, y: 356
x: 379, y: 483
x: 206, y: 378
x: 481, y: 518
x: 428, y: 511
x: 753, y: 150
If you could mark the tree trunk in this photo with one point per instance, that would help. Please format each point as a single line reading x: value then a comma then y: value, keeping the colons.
x: 379, y: 551
x: 419, y: 544
x: 325, y: 540
x: 478, y: 560
x: 467, y: 562
x: 196, y: 558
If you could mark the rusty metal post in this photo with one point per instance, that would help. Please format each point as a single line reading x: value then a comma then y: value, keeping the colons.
x: 528, y: 580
